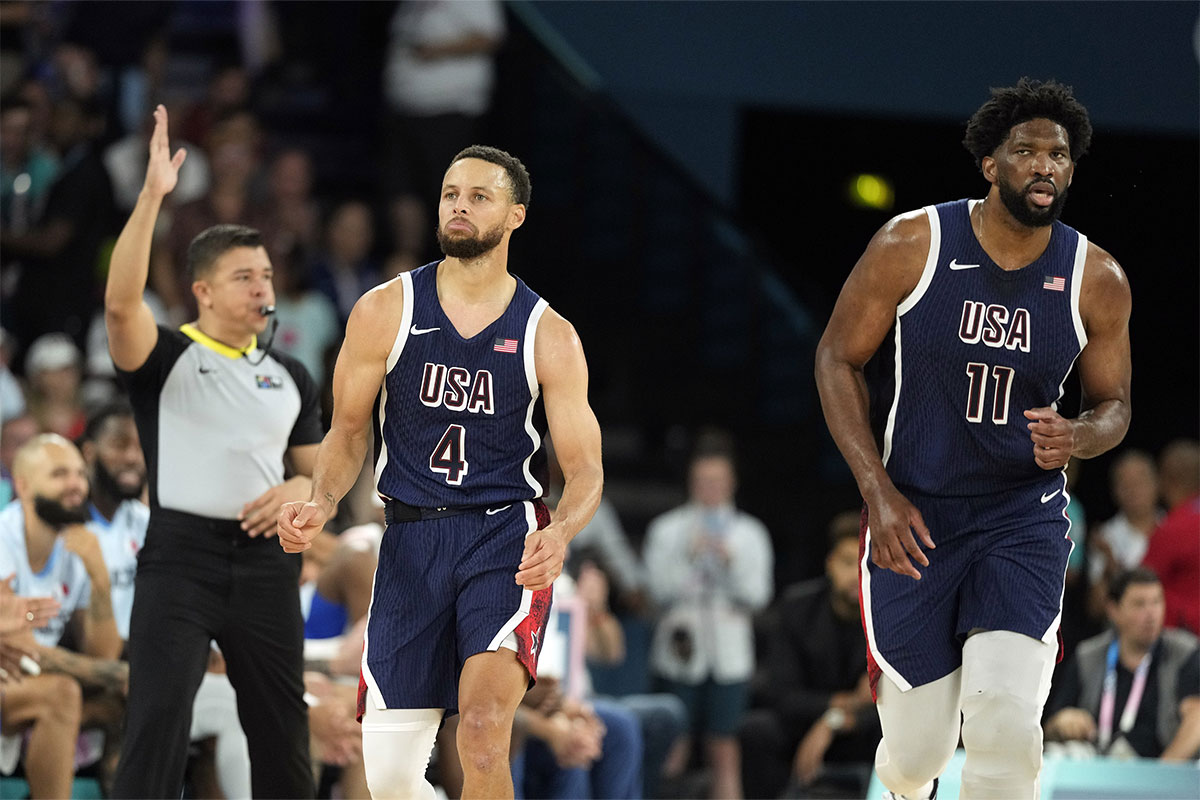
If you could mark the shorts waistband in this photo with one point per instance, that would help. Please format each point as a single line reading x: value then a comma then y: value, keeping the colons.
x: 395, y: 511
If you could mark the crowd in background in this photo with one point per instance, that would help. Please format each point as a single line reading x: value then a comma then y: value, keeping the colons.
x: 697, y: 674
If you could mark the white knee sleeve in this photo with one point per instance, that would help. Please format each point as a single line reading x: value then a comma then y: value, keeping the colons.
x: 397, y: 744
x: 1006, y: 678
x: 920, y: 733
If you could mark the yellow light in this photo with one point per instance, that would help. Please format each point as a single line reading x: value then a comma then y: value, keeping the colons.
x: 871, y: 191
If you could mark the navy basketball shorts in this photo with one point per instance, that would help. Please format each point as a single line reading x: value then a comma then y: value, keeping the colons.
x: 445, y: 589
x: 1000, y: 564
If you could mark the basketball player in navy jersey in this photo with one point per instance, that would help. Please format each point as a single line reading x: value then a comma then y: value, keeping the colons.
x: 473, y: 367
x: 974, y: 312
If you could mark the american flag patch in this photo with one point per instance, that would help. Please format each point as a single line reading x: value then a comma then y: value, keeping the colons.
x: 1054, y: 284
x: 508, y: 345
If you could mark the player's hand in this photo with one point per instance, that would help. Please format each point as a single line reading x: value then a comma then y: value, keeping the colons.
x: 542, y: 560
x: 1053, y: 437
x: 891, y: 522
x: 298, y: 524
x: 23, y: 613
x: 810, y: 755
x: 259, y: 515
x: 1072, y: 725
x: 162, y: 171
x: 83, y: 543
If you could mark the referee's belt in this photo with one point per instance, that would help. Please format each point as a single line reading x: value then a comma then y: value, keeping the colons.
x: 395, y: 511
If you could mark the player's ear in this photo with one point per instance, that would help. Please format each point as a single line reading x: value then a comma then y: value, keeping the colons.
x: 202, y: 293
x: 516, y: 216
x: 988, y: 167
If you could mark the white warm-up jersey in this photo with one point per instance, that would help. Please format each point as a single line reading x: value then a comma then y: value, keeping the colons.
x: 121, y: 540
x: 63, y: 577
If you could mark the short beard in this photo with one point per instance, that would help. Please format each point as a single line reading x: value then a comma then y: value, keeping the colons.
x: 107, y: 484
x: 1017, y: 204
x: 470, y: 247
x: 57, y: 515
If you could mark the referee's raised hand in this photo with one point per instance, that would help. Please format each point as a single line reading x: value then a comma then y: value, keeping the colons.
x: 162, y: 171
x: 299, y: 524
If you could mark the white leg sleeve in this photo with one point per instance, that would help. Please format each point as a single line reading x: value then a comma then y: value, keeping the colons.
x: 397, y: 744
x: 920, y: 733
x: 1006, y: 679
x: 215, y: 713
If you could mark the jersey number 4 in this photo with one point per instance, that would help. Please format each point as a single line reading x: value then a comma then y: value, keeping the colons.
x: 449, y: 457
x: 1002, y: 380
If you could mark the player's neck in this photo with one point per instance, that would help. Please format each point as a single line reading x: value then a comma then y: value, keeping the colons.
x: 1011, y: 244
x: 1132, y: 652
x: 107, y: 506
x: 480, y: 280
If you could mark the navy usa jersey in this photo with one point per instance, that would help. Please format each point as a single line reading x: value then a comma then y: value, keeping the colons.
x: 972, y: 348
x: 461, y: 420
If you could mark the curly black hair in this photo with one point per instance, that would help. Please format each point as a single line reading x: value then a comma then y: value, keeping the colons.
x: 1029, y: 99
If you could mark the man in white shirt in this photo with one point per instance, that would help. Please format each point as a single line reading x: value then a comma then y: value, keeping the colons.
x: 712, y: 570
x: 48, y: 552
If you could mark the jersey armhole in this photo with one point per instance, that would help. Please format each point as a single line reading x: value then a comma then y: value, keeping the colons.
x: 1076, y: 284
x: 406, y: 317
x: 935, y: 247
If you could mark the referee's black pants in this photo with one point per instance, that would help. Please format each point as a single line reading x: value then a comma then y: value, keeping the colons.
x: 200, y: 579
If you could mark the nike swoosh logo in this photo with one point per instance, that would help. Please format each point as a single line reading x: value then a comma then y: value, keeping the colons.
x: 955, y: 265
x: 204, y: 371
x: 492, y: 511
x: 1046, y: 498
x: 415, y: 331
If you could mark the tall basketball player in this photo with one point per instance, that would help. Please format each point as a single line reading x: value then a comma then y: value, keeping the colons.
x: 975, y: 311
x: 473, y: 366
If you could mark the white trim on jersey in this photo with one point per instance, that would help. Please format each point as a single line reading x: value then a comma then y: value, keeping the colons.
x: 931, y: 260
x: 535, y: 391
x: 406, y: 316
x: 526, y: 595
x: 1076, y: 319
x: 868, y: 620
x: 1050, y: 636
x: 1076, y: 283
x: 368, y: 678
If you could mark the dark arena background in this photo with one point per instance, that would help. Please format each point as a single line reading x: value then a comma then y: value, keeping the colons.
x: 705, y: 175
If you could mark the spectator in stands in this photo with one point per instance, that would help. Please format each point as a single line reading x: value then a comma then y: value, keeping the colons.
x: 14, y: 433
x: 812, y: 696
x: 437, y: 85
x: 1120, y: 543
x: 1133, y: 690
x: 1174, y: 551
x: 27, y: 169
x: 54, y: 370
x: 290, y: 202
x: 12, y: 396
x: 712, y: 566
x: 125, y: 160
x: 344, y: 270
x: 228, y: 91
x: 309, y: 328
x: 48, y: 551
x: 62, y: 249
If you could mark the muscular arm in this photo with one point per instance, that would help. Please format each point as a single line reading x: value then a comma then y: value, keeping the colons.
x: 562, y: 373
x: 1104, y: 365
x: 357, y: 376
x: 885, y: 274
x: 103, y: 673
x: 132, y: 332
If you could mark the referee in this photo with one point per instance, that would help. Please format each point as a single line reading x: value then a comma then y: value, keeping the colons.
x: 218, y: 419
